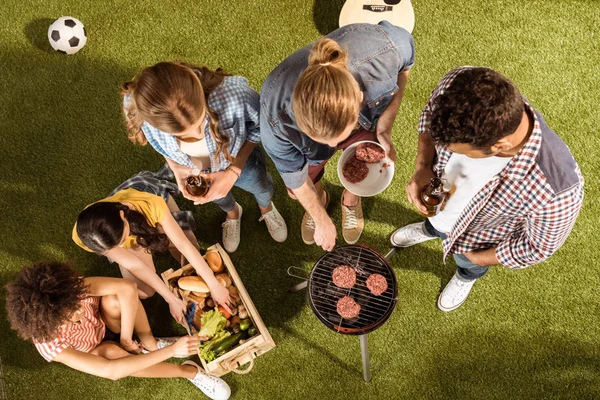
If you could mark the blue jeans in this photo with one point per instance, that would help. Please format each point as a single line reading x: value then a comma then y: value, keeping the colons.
x: 467, y: 271
x: 254, y: 179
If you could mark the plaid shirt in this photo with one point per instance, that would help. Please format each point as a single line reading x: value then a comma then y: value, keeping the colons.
x: 237, y: 106
x: 526, y: 211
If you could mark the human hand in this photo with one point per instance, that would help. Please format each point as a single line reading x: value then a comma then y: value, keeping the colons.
x: 186, y: 346
x: 131, y: 346
x: 413, y: 190
x: 181, y: 173
x: 385, y: 140
x: 177, y: 308
x: 325, y: 235
x: 221, y: 183
x: 220, y: 295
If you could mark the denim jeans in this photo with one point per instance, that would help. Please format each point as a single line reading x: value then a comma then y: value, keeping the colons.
x: 467, y: 271
x: 254, y: 179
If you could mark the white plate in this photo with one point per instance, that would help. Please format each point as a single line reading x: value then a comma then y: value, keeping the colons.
x: 378, y: 179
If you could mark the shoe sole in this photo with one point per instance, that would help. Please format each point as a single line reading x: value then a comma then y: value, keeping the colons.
x: 449, y: 309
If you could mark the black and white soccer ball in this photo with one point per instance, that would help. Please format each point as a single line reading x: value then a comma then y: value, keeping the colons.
x: 67, y: 35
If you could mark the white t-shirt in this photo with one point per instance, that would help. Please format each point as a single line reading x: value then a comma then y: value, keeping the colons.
x: 198, y: 152
x: 467, y: 176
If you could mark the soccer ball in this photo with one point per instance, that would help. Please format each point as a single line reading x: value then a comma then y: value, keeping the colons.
x: 67, y: 35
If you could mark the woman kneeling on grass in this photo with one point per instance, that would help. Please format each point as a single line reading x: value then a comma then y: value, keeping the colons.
x: 77, y: 321
x: 139, y: 218
x: 209, y: 121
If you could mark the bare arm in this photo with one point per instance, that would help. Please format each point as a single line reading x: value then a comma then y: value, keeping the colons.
x: 121, y: 367
x: 181, y: 172
x: 127, y: 296
x: 141, y: 270
x: 325, y: 232
x: 219, y: 293
x: 386, y: 120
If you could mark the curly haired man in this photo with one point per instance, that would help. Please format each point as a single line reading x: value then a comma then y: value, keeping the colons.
x: 516, y: 188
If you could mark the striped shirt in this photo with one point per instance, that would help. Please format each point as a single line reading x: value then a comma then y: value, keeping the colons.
x: 526, y: 211
x: 84, y: 336
x: 237, y: 106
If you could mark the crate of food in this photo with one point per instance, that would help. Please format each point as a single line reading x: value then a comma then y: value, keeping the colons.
x: 229, y: 341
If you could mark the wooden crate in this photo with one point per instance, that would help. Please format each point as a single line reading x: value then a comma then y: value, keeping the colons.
x: 241, y: 354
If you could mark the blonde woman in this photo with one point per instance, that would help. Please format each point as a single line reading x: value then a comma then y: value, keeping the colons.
x: 206, y: 120
x: 342, y: 89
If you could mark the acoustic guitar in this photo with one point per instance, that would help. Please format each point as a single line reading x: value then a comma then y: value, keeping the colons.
x: 397, y: 12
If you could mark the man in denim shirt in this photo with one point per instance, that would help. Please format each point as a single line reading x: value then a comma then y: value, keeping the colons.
x: 379, y: 58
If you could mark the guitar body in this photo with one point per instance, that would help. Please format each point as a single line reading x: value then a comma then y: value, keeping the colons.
x: 397, y: 12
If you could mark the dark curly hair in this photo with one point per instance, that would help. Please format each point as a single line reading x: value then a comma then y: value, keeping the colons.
x: 44, y: 297
x: 100, y: 228
x: 479, y: 108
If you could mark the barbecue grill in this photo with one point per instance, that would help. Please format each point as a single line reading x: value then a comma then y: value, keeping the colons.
x: 323, y: 294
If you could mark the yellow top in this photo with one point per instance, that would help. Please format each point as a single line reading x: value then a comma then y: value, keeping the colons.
x: 153, y: 207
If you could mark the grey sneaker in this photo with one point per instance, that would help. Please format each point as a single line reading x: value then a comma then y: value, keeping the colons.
x: 213, y: 387
x: 275, y: 224
x: 231, y: 232
x: 454, y: 294
x: 410, y: 235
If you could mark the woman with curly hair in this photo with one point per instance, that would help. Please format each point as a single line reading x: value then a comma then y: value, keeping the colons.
x: 206, y: 120
x: 78, y: 321
x: 138, y: 219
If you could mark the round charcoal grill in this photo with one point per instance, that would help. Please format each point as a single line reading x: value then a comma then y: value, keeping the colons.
x: 323, y: 294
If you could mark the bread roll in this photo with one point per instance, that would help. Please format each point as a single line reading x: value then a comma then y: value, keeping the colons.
x: 224, y: 279
x: 193, y: 283
x: 214, y: 260
x: 201, y: 300
x: 204, y: 295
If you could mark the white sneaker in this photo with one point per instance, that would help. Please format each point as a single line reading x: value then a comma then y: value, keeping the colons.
x: 231, y: 232
x: 454, y: 294
x: 213, y: 387
x: 410, y: 235
x: 163, y: 342
x: 275, y: 224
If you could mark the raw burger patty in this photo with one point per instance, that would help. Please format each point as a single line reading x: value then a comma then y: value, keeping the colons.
x: 369, y: 152
x: 355, y: 170
x: 344, y: 276
x: 377, y: 284
x: 347, y: 307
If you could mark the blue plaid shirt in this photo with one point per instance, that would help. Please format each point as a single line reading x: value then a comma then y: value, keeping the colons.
x: 237, y: 106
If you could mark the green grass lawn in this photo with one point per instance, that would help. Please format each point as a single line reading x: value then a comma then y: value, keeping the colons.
x: 522, y: 334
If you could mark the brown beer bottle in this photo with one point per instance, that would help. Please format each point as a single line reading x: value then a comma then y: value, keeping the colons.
x: 434, y: 195
x: 196, y: 184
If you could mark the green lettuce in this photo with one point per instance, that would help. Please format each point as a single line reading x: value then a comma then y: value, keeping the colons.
x: 206, y: 351
x: 212, y: 322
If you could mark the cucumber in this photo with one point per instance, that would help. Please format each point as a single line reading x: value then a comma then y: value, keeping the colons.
x: 224, y: 345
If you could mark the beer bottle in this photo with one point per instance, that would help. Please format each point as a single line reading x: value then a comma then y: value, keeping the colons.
x: 196, y: 184
x: 434, y: 194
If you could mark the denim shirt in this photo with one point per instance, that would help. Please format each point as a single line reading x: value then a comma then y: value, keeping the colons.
x: 376, y: 55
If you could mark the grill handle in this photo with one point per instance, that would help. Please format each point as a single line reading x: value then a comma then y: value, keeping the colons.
x: 293, y: 268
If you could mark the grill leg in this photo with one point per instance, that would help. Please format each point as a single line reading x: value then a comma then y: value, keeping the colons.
x: 364, y: 349
x: 299, y: 287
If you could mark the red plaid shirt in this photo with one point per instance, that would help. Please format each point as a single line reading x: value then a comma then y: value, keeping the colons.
x: 526, y: 211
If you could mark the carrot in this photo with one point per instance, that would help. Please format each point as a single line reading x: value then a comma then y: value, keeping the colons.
x: 224, y: 312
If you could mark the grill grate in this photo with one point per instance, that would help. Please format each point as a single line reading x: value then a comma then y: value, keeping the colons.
x: 323, y: 293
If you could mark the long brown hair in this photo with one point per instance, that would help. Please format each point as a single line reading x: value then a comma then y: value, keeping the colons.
x: 326, y: 98
x: 171, y: 96
x: 100, y: 227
